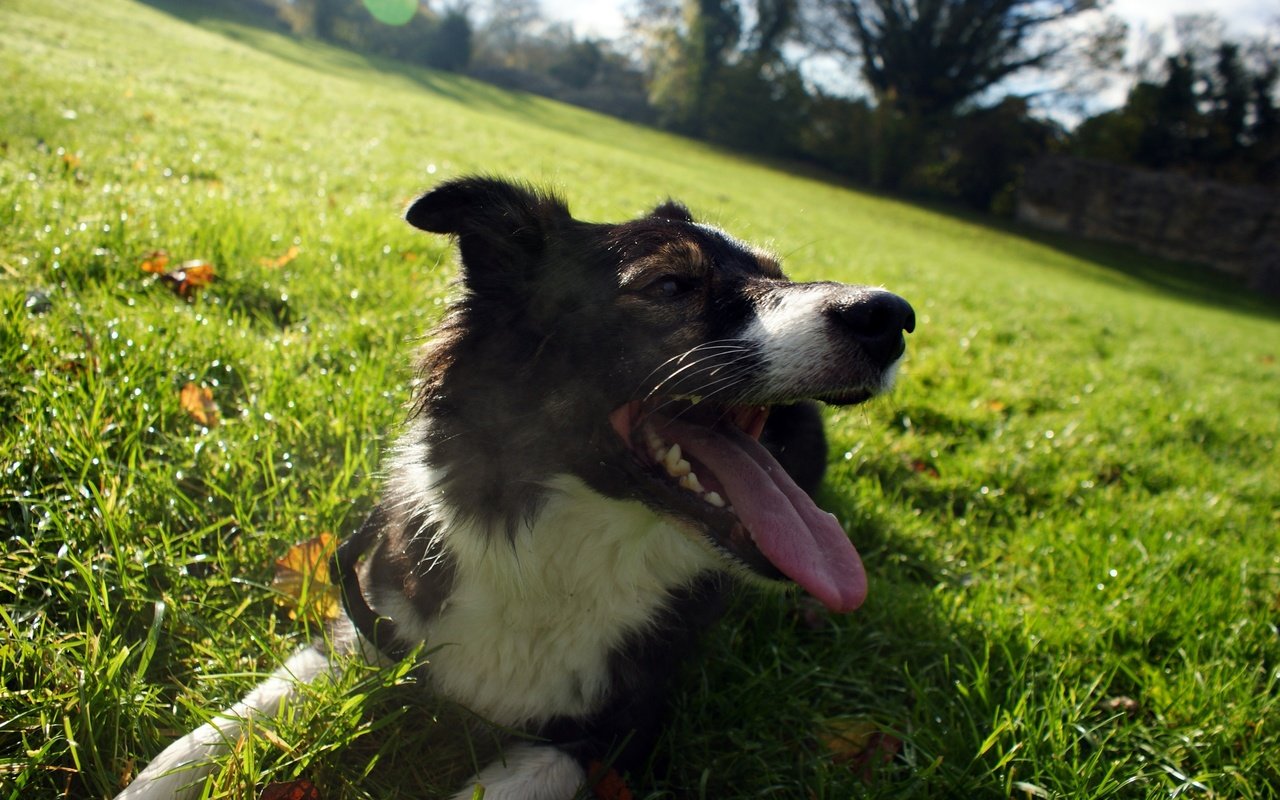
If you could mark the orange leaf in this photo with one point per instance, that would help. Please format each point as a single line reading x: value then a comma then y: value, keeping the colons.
x: 197, y: 401
x: 301, y: 789
x: 860, y: 744
x: 302, y: 578
x: 194, y: 274
x: 923, y: 467
x: 189, y: 276
x: 157, y: 262
x: 280, y: 261
x: 610, y: 785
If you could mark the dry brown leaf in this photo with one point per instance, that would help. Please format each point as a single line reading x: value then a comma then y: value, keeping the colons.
x: 188, y: 277
x: 301, y: 789
x: 280, y: 261
x: 859, y: 744
x: 1120, y: 705
x: 922, y: 467
x: 157, y: 262
x: 192, y: 275
x: 302, y: 578
x: 610, y: 785
x: 198, y: 402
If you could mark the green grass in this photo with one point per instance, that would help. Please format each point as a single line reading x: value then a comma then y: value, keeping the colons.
x: 1068, y: 509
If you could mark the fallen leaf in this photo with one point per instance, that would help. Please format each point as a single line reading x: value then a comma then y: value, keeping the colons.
x: 280, y: 261
x: 301, y: 789
x: 610, y: 785
x: 1120, y: 705
x: 302, y: 579
x: 922, y: 467
x: 192, y: 275
x: 861, y: 745
x: 197, y: 401
x: 189, y: 276
x: 157, y: 262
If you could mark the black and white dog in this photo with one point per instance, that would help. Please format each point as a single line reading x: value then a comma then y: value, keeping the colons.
x: 582, y: 469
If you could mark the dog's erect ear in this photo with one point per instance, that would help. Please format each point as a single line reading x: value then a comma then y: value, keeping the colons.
x: 672, y: 210
x: 499, y: 224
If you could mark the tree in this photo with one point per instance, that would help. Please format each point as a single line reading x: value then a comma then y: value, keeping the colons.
x: 711, y: 74
x: 929, y: 57
x: 1211, y: 112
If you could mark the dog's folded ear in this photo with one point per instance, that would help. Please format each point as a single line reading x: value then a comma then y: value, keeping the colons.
x: 498, y: 223
x: 479, y: 204
x: 672, y: 210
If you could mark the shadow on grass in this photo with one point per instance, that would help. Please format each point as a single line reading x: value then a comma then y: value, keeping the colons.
x: 1113, y: 264
x: 1127, y: 267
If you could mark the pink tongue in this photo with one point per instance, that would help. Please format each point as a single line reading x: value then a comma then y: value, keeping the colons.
x: 804, y: 542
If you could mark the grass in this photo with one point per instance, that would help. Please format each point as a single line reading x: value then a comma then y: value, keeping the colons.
x: 1068, y: 508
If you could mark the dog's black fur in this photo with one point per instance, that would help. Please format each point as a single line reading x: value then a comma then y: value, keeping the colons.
x: 574, y: 356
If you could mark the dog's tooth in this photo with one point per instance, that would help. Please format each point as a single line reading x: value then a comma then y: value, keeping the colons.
x: 691, y: 483
x: 680, y: 469
x: 671, y: 457
x: 653, y: 440
x: 714, y: 499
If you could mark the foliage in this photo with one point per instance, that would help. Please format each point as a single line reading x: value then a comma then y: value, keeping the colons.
x: 931, y: 57
x: 1214, y: 112
x: 442, y: 41
x: 517, y: 47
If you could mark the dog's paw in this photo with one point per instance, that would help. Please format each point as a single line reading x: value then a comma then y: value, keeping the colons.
x: 528, y: 772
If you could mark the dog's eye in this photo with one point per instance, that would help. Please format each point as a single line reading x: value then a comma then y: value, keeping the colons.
x: 669, y: 286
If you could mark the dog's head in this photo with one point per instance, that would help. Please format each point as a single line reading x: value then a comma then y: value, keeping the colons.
x: 643, y: 358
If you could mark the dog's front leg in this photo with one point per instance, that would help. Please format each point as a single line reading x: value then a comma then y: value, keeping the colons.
x: 529, y: 772
x: 179, y: 771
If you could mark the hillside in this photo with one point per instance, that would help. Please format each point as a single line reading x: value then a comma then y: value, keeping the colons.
x: 1068, y: 508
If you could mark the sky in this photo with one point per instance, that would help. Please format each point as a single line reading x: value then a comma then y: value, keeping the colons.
x: 604, y: 17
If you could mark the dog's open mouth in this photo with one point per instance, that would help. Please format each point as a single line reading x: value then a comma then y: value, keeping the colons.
x: 704, y: 461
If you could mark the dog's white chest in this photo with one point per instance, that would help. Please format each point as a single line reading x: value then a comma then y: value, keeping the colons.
x: 526, y: 634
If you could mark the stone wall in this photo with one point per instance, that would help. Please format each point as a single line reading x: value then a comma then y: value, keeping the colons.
x: 1233, y: 229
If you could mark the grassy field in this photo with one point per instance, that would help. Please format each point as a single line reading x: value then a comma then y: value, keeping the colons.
x: 1069, y: 508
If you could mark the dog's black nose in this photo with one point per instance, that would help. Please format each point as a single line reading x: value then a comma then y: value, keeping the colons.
x: 877, y: 320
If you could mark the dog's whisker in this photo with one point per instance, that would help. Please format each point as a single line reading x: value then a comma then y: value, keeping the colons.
x: 711, y: 348
x: 692, y: 369
x: 692, y: 383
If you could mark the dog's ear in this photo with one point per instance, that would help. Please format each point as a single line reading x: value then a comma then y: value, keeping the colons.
x: 482, y: 205
x: 499, y: 224
x: 672, y: 210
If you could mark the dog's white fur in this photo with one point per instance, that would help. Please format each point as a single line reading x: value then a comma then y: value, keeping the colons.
x: 525, y: 636
x: 794, y: 338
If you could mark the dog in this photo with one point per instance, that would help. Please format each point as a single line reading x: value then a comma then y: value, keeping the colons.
x: 581, y: 479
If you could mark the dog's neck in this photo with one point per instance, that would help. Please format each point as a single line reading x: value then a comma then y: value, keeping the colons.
x: 527, y: 629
